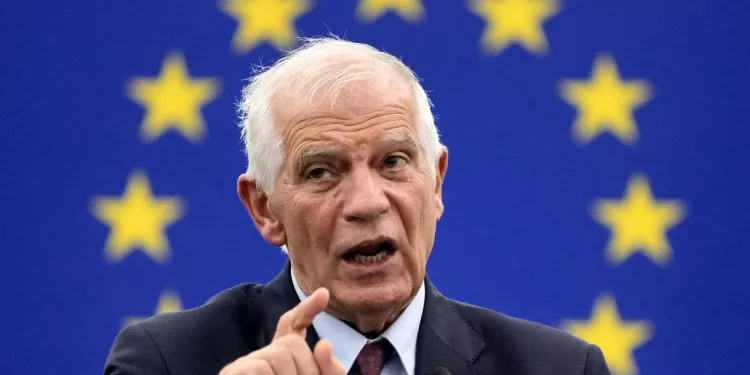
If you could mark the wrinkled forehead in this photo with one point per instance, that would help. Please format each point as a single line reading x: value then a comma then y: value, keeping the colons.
x: 349, y: 103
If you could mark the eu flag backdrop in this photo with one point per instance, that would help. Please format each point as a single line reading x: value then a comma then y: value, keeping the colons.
x: 597, y: 181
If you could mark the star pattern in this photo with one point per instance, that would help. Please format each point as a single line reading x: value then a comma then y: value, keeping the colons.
x: 169, y: 302
x: 638, y: 223
x: 605, y: 103
x: 264, y: 21
x: 371, y: 10
x: 616, y: 338
x: 173, y: 100
x: 514, y: 21
x: 137, y: 220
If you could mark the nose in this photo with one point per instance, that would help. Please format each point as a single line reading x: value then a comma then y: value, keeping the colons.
x: 365, y: 197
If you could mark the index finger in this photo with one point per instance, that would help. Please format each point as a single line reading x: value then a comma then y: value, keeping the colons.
x: 301, y: 316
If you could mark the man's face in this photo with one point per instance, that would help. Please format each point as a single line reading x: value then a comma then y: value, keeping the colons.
x: 355, y: 203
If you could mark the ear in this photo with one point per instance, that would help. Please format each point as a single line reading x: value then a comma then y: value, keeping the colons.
x: 442, y: 168
x: 258, y: 206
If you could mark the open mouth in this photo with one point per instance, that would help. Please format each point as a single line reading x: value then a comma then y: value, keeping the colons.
x: 370, y: 252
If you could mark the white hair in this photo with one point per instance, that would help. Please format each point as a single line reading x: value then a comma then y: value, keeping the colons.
x: 327, y: 63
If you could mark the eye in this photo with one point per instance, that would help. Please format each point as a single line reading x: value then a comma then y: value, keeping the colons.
x: 395, y: 161
x: 317, y: 174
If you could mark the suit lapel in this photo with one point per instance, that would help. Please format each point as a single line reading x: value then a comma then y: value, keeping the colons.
x: 277, y: 298
x: 445, y: 339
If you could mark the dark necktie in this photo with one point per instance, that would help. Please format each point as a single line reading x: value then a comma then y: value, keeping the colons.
x: 372, y: 358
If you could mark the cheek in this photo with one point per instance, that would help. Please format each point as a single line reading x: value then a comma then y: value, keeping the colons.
x: 311, y: 223
x: 418, y: 214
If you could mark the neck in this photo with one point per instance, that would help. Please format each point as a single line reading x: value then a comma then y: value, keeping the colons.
x: 367, y: 321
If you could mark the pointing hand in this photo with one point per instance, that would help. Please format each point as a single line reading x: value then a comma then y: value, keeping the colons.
x: 288, y: 353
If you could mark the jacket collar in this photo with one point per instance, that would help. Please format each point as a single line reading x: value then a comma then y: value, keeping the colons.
x: 277, y: 298
x: 445, y: 339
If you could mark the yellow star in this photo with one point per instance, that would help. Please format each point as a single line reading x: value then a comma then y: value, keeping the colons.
x: 638, y: 223
x: 514, y: 21
x: 264, y: 20
x: 370, y: 10
x: 617, y: 339
x: 172, y: 100
x: 137, y: 220
x: 605, y: 102
x: 168, y: 302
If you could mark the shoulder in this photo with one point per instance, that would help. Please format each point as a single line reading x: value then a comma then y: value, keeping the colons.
x: 203, y: 337
x: 494, y: 324
x: 529, y: 347
x: 227, y: 309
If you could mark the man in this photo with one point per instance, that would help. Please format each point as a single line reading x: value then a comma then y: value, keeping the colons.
x: 345, y: 174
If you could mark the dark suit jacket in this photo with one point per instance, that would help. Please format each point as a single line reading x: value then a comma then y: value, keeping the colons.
x: 462, y: 338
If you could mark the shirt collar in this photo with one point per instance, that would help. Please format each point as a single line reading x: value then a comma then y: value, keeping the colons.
x: 347, y: 342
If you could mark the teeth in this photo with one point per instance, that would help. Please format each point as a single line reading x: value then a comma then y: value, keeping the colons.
x: 368, y: 259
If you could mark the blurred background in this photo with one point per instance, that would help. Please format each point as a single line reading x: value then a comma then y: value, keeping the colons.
x: 598, y: 175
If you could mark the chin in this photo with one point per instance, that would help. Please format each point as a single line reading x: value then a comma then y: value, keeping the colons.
x: 374, y: 297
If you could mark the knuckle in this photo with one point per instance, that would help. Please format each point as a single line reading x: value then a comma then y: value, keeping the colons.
x: 294, y: 343
x: 279, y: 358
x: 250, y: 366
x: 277, y: 352
x: 256, y: 362
x: 299, y: 342
x: 286, y: 319
x: 264, y: 367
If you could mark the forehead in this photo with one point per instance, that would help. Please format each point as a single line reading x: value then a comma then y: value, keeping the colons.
x: 360, y: 113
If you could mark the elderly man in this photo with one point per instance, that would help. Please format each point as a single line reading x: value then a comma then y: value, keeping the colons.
x: 345, y: 174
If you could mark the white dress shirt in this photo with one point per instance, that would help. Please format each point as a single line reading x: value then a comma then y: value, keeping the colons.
x: 347, y: 342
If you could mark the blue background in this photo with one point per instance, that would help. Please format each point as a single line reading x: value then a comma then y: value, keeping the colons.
x: 517, y: 235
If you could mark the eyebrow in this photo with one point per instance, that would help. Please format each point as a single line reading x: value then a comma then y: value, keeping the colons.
x: 400, y: 140
x: 310, y: 155
x: 313, y: 154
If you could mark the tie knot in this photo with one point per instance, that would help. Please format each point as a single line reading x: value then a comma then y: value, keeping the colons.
x: 373, y: 356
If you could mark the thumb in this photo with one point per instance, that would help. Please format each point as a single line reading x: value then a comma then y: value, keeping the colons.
x: 328, y: 364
